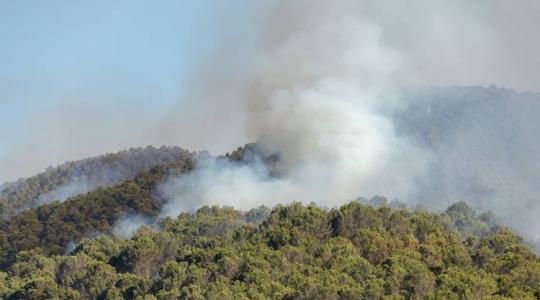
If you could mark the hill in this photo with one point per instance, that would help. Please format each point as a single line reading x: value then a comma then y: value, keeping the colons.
x: 77, y: 177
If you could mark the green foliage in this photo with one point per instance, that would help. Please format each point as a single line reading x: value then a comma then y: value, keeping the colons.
x: 297, y: 252
x: 51, y: 227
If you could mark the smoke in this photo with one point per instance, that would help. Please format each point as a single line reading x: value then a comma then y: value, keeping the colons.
x: 127, y: 226
x: 322, y: 107
x: 317, y: 86
x: 321, y: 85
x: 219, y: 182
x: 482, y: 141
x: 75, y: 187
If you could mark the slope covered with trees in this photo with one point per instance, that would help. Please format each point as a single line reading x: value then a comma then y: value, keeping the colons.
x: 51, y: 227
x: 296, y: 252
x: 73, y: 178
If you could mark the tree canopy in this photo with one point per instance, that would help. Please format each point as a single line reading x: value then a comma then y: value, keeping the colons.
x: 295, y: 251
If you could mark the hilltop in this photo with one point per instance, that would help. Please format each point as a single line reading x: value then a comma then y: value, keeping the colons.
x: 78, y: 177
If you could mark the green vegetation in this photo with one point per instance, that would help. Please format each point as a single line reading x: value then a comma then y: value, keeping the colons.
x: 51, y: 227
x: 73, y: 178
x: 294, y: 252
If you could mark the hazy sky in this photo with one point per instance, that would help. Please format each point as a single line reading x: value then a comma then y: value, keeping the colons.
x: 79, y: 78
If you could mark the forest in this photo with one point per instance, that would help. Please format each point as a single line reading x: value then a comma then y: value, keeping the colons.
x: 293, y: 251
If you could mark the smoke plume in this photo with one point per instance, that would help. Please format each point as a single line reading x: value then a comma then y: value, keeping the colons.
x: 323, y: 86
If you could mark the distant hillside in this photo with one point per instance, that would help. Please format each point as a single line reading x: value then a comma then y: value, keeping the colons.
x: 51, y: 227
x: 482, y: 145
x: 74, y: 178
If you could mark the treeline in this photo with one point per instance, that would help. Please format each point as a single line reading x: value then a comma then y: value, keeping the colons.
x: 73, y: 178
x: 297, y: 252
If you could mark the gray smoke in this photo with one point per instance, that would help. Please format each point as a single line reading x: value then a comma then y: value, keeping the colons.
x: 74, y: 187
x: 322, y: 85
x: 484, y: 148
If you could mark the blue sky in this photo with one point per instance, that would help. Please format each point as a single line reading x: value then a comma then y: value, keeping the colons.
x: 112, y: 58
x: 77, y: 43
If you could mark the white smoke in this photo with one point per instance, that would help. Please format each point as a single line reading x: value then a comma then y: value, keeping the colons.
x: 320, y: 85
x: 74, y: 187
x: 321, y: 98
x: 219, y: 182
x: 127, y: 226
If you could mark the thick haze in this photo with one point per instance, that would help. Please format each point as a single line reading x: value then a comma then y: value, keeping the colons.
x: 320, y: 83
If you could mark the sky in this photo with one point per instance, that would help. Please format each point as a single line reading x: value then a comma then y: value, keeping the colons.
x: 57, y: 47
x: 82, y: 78
x: 87, y: 73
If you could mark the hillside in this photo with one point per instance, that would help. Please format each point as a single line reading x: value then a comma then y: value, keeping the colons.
x: 77, y: 177
x: 51, y: 227
x: 481, y: 144
x: 297, y: 252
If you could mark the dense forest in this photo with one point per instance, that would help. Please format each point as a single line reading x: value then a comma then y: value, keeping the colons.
x: 293, y: 252
x: 73, y: 178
